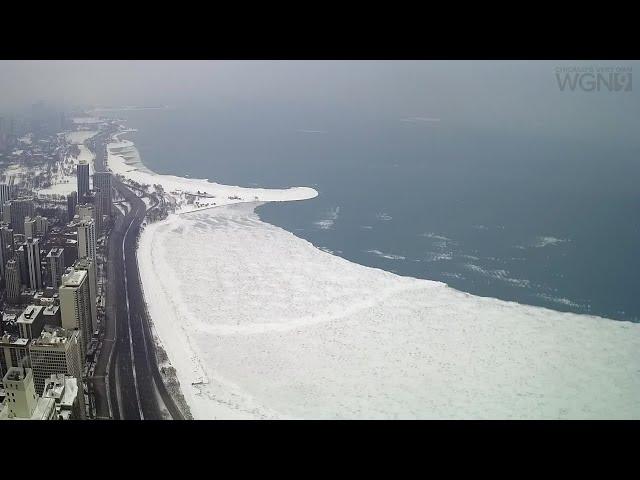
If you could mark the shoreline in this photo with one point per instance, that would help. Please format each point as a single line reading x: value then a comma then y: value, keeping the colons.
x: 211, y: 390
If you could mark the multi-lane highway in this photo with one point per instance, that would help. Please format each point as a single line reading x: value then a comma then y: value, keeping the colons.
x: 127, y: 381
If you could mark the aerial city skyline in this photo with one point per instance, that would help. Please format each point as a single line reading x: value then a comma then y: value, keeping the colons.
x: 319, y: 240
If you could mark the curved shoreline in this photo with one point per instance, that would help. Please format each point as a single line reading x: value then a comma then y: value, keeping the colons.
x: 211, y: 394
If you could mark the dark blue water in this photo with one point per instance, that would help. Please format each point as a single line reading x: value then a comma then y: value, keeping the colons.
x: 534, y: 218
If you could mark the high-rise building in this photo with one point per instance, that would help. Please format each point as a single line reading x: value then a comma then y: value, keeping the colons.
x: 57, y: 350
x: 52, y: 315
x: 89, y: 266
x: 20, y: 208
x: 83, y: 180
x: 97, y: 205
x: 86, y: 210
x: 72, y: 201
x: 7, y: 238
x: 75, y: 305
x: 42, y: 225
x: 87, y: 239
x: 12, y: 281
x: 32, y: 246
x: 102, y: 181
x: 55, y: 260
x: 23, y: 403
x: 91, y: 209
x: 5, y: 194
x: 30, y: 227
x: 23, y: 265
x: 6, y: 247
x: 6, y: 212
x: 31, y: 321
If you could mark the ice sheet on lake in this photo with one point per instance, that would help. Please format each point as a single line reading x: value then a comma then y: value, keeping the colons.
x: 268, y: 326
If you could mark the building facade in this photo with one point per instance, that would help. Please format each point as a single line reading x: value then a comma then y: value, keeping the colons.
x: 72, y: 201
x: 57, y: 350
x: 32, y: 246
x: 83, y: 180
x: 102, y: 181
x: 19, y: 209
x: 87, y: 239
x: 55, y: 261
x: 75, y: 305
x: 89, y: 266
x: 12, y: 281
x: 21, y: 401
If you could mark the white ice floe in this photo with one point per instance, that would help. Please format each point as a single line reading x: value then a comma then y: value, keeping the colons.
x: 559, y: 300
x: 312, y: 131
x: 419, y: 119
x: 498, y: 274
x: 542, y: 242
x: 438, y: 256
x: 388, y: 256
x: 329, y: 220
x: 385, y: 217
x: 268, y: 326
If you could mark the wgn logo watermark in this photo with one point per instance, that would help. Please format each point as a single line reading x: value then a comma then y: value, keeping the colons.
x: 594, y: 79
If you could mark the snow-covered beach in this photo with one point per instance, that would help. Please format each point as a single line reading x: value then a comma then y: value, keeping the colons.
x: 259, y: 323
x: 64, y: 180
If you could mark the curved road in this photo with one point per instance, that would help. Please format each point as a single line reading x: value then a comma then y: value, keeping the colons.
x: 127, y: 383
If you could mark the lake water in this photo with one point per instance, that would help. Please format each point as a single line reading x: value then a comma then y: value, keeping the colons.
x: 537, y: 219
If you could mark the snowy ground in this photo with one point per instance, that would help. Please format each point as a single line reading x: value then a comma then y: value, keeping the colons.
x: 259, y: 323
x: 275, y: 327
x: 123, y: 158
x: 64, y: 181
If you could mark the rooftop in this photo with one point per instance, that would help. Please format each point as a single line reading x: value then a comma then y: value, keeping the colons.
x: 51, y: 310
x: 55, y: 252
x: 53, y: 336
x: 15, y: 374
x: 30, y: 314
x: 13, y: 340
x: 74, y: 278
x: 62, y: 388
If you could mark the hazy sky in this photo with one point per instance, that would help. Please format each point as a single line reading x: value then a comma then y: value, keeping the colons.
x: 485, y: 94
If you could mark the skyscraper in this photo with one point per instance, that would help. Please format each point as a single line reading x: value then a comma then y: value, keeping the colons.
x: 7, y: 239
x: 42, y: 225
x: 32, y: 246
x: 89, y: 266
x: 91, y: 210
x: 20, y: 209
x: 6, y: 212
x: 75, y: 306
x: 83, y: 179
x: 72, y: 201
x: 87, y: 239
x: 30, y: 228
x: 5, y: 194
x: 12, y: 280
x: 86, y: 210
x: 6, y: 247
x: 23, y: 265
x: 55, y: 260
x: 102, y: 181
